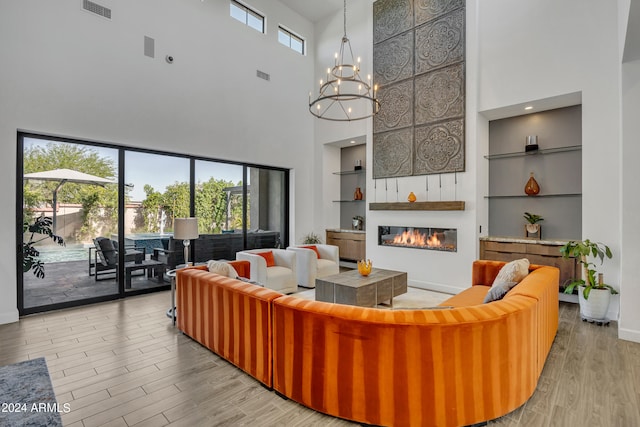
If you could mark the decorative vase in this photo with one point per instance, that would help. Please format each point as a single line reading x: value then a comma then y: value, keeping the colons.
x: 596, y: 307
x: 411, y: 198
x: 358, y: 194
x: 532, y: 188
x: 364, y: 267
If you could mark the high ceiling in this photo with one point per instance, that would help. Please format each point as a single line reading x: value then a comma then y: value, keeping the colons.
x: 315, y: 10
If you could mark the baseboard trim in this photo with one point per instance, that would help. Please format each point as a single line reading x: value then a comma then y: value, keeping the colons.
x: 436, y: 287
x: 9, y: 317
x: 629, y: 335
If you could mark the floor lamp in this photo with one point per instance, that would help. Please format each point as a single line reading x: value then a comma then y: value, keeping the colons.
x: 185, y: 229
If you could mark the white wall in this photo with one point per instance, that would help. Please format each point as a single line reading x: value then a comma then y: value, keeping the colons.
x: 629, y: 326
x: 70, y: 73
x: 522, y: 61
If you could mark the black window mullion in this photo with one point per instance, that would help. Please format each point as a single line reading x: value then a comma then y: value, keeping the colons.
x: 121, y: 221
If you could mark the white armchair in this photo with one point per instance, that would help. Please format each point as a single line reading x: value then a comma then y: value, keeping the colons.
x: 309, y: 266
x: 281, y: 277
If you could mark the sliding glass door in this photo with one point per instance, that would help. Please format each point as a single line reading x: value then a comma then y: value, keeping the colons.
x: 158, y: 192
x: 97, y: 220
x: 70, y: 191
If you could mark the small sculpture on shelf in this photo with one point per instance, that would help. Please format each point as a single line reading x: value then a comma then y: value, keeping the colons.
x: 412, y: 197
x: 533, y: 227
x: 357, y: 222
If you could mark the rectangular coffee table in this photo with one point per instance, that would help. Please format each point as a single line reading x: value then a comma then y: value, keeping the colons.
x: 354, y: 289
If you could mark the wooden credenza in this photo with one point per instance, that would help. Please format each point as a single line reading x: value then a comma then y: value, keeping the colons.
x: 352, y: 244
x: 543, y: 252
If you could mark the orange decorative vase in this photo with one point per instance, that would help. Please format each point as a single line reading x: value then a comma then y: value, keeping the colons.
x: 358, y: 194
x: 364, y: 267
x: 411, y: 198
x: 532, y: 188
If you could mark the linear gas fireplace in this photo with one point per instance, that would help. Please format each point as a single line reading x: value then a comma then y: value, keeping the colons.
x: 437, y: 239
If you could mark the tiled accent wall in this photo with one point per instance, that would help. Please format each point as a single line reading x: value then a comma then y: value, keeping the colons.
x: 419, y: 65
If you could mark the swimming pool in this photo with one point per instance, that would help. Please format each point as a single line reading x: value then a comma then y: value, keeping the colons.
x: 77, y: 252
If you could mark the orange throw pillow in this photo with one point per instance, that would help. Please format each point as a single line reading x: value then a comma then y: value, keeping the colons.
x: 313, y: 248
x: 268, y: 256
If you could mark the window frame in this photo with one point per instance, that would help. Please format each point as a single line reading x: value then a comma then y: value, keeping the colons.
x: 292, y: 36
x: 248, y: 13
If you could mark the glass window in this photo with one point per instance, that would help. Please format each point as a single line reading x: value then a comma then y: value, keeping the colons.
x: 247, y: 16
x: 70, y: 190
x: 291, y: 40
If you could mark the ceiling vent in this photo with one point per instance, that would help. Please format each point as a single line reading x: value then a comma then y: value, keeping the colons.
x: 263, y: 75
x: 96, y: 8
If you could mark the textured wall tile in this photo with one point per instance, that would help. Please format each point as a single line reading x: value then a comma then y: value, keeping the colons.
x: 393, y: 59
x: 391, y: 17
x: 440, y: 42
x: 439, y: 148
x: 392, y: 153
x: 396, y: 107
x: 439, y: 95
x: 426, y: 10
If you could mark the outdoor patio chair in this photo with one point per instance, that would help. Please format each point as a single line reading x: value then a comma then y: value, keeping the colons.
x: 103, y: 258
x: 172, y: 255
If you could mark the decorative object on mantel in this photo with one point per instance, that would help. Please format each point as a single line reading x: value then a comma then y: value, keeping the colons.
x: 531, y: 143
x: 418, y: 206
x: 345, y: 96
x: 593, y: 295
x: 411, y: 198
x: 358, y: 194
x: 364, y: 267
x: 532, y: 188
x: 533, y: 227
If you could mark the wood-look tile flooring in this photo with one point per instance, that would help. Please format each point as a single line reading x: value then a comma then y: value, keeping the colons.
x: 121, y: 363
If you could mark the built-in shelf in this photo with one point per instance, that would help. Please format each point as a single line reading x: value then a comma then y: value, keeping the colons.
x: 418, y: 206
x: 353, y: 172
x: 516, y: 196
x: 536, y: 152
x: 347, y: 201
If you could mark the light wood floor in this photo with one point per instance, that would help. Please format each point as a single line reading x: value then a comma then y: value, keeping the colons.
x: 121, y: 363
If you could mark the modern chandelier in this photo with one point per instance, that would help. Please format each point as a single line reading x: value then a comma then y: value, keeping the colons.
x: 345, y: 96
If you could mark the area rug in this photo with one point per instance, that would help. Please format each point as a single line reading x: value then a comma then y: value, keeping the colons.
x: 26, y: 395
x: 415, y: 298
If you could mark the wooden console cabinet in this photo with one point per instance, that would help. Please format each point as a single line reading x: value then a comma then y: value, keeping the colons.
x: 543, y: 252
x: 350, y: 243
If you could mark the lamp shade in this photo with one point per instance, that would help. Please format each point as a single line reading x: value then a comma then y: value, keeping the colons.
x: 185, y: 228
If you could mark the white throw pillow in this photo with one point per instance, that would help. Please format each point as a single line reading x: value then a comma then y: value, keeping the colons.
x: 513, y: 271
x: 222, y: 268
x: 498, y: 291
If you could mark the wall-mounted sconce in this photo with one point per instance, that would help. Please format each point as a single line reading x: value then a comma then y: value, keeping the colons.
x: 531, y: 143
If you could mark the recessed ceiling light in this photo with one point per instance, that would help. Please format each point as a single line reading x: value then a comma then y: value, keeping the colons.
x: 530, y: 107
x: 352, y: 142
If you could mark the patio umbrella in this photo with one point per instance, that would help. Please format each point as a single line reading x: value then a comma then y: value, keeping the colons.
x: 64, y: 176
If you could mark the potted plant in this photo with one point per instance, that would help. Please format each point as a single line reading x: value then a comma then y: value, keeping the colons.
x: 533, y: 220
x: 30, y: 255
x: 311, y: 239
x: 593, y: 293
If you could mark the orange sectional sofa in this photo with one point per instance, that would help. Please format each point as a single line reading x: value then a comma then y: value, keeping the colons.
x: 228, y: 316
x: 461, y: 364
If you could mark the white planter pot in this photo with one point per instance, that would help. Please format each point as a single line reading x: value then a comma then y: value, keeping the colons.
x: 533, y: 228
x: 597, y: 306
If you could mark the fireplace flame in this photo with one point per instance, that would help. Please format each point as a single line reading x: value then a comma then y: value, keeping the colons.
x: 415, y: 238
